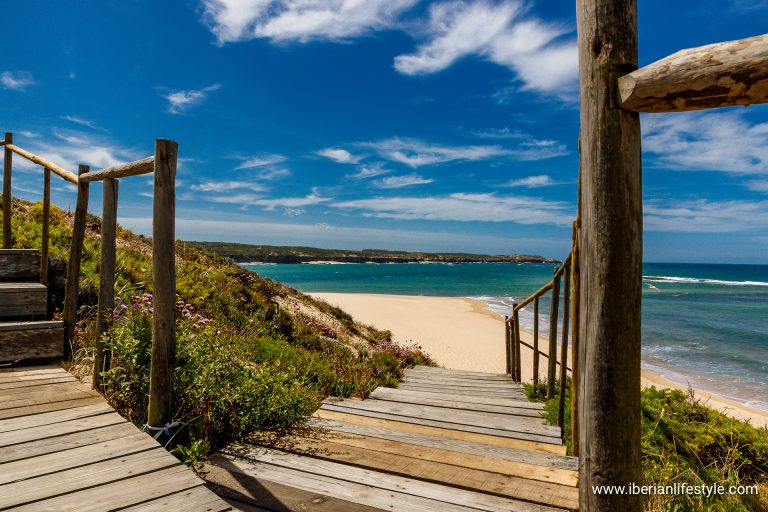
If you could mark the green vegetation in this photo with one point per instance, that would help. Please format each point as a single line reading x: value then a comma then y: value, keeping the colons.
x: 686, y: 442
x: 289, y: 254
x: 251, y: 353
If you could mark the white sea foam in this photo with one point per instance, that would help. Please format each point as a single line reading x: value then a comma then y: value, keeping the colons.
x: 695, y: 280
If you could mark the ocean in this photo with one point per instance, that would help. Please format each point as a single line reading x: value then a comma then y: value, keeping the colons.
x: 703, y: 325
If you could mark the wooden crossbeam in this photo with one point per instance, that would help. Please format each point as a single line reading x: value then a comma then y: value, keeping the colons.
x: 143, y: 166
x: 712, y: 76
x: 70, y: 177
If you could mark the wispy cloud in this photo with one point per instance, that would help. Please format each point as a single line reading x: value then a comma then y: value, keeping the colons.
x: 365, y: 171
x: 716, y: 141
x: 340, y: 156
x: 464, y: 208
x: 84, y: 122
x: 16, y: 80
x: 416, y: 153
x: 758, y: 186
x: 300, y: 20
x: 182, y: 100
x: 541, y: 180
x: 705, y: 216
x: 401, y: 181
x: 500, y: 133
x: 499, y: 32
x: 249, y: 162
x: 224, y: 186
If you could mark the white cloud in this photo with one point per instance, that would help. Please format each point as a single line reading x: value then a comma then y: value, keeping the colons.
x: 711, y: 141
x: 259, y: 161
x: 464, y: 208
x: 180, y: 101
x: 16, y: 80
x: 758, y: 186
x: 223, y: 186
x: 340, y: 156
x: 300, y: 20
x: 272, y: 174
x: 500, y: 133
x: 542, y: 180
x: 267, y: 203
x: 704, y: 216
x: 415, y: 153
x: 369, y: 171
x: 401, y: 181
x: 498, y: 32
x: 294, y: 212
x: 83, y: 122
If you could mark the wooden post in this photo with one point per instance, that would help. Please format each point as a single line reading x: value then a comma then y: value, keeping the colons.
x: 46, y: 226
x: 506, y: 344
x: 564, y: 346
x: 610, y: 257
x: 536, y: 342
x: 575, y: 340
x: 518, y: 357
x: 164, y: 285
x: 106, y: 276
x: 552, y: 352
x: 73, y: 269
x: 7, y: 193
x: 511, y: 345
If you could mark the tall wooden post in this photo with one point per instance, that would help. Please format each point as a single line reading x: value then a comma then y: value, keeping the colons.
x: 611, y: 251
x: 511, y: 345
x: 575, y: 364
x: 7, y: 193
x: 516, y: 337
x: 552, y: 351
x: 46, y: 226
x: 164, y: 285
x: 73, y: 269
x: 507, y: 347
x: 535, y: 342
x: 106, y: 276
x: 564, y: 345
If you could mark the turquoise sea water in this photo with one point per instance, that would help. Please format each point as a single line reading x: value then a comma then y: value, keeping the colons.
x: 706, y: 325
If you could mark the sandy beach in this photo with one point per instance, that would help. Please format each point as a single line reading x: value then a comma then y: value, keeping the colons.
x: 464, y: 334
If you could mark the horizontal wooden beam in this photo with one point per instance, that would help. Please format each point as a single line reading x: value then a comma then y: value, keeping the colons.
x: 143, y: 166
x: 712, y: 76
x: 70, y: 177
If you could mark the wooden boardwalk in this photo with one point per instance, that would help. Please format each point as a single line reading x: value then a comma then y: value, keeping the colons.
x: 63, y: 448
x: 445, y: 440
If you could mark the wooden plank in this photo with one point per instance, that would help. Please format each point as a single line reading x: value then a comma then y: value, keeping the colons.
x: 309, y: 450
x: 197, y: 499
x: 30, y: 324
x: 416, y: 395
x: 70, y: 177
x: 36, y: 383
x: 54, y: 462
x: 59, y: 429
x: 465, y: 406
x: 25, y: 392
x: 711, y: 76
x: 490, y: 378
x: 464, y: 390
x: 164, y: 287
x: 48, y: 407
x: 526, y: 441
x: 75, y: 255
x: 459, y: 382
x: 119, y: 494
x: 143, y: 166
x: 451, y: 371
x: 429, y: 452
x: 66, y: 442
x: 54, y: 417
x: 23, y: 299
x: 611, y: 246
x: 12, y: 373
x: 456, y: 445
x: 443, y: 497
x: 19, y: 265
x: 31, y: 344
x: 518, y: 424
x: 41, y: 400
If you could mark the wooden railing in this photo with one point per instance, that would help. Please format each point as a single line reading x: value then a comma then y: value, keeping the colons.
x: 563, y: 278
x: 163, y: 165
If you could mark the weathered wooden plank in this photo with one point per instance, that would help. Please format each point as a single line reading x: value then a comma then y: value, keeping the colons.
x: 456, y: 445
x: 36, y: 383
x: 66, y: 442
x: 143, y: 166
x: 48, y: 407
x: 450, y: 404
x: 519, y: 424
x: 41, y: 400
x: 451, y: 371
x: 464, y: 390
x: 18, y: 265
x: 119, y: 494
x: 533, y: 438
x: 31, y: 344
x: 24, y: 325
x: 490, y: 379
x: 23, y: 299
x: 464, y: 435
x: 59, y: 429
x: 490, y: 385
x: 25, y: 392
x: 387, y: 492
x: 416, y: 395
x: 197, y: 499
x: 711, y: 76
x: 48, y: 418
x: 611, y: 246
x: 34, y: 371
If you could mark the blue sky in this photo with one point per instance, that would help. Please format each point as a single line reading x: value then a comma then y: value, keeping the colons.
x: 398, y: 124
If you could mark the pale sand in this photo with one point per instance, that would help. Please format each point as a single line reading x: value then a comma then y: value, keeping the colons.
x: 464, y: 334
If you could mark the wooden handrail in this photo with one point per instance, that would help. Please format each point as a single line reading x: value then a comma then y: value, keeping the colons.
x: 143, y: 166
x: 544, y: 289
x: 70, y: 177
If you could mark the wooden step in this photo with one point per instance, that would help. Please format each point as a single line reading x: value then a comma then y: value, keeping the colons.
x: 31, y: 340
x: 19, y: 265
x: 23, y: 300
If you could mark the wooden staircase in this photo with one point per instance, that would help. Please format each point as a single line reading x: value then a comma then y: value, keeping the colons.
x: 26, y: 332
